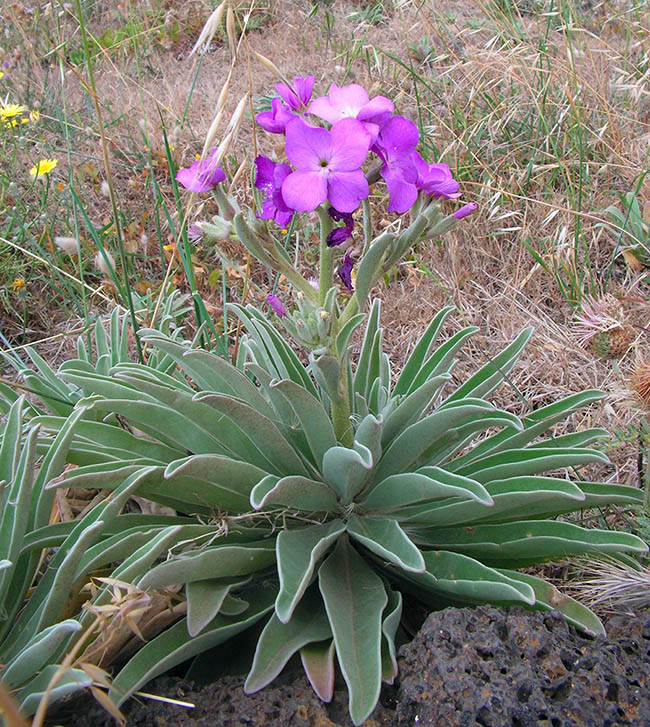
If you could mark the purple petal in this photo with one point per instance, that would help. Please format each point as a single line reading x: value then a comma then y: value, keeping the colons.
x: 340, y: 216
x: 322, y: 107
x: 276, y: 305
x: 402, y: 193
x: 303, y: 191
x: 338, y: 236
x: 345, y: 271
x: 465, y: 211
x: 201, y: 175
x: 269, y: 178
x: 275, y: 120
x: 307, y: 146
x: 398, y: 137
x: 346, y: 190
x: 350, y: 144
x: 435, y: 179
x: 378, y: 110
x: 344, y: 102
x: 299, y: 94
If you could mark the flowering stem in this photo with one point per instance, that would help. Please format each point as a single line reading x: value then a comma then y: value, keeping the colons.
x: 367, y: 225
x: 326, y: 255
x: 340, y: 410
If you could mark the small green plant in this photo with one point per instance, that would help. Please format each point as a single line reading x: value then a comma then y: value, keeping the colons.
x: 632, y: 228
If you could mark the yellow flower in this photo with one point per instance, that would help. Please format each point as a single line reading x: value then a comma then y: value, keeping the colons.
x: 18, y: 285
x: 2, y: 75
x: 8, y: 111
x: 34, y: 115
x: 44, y: 166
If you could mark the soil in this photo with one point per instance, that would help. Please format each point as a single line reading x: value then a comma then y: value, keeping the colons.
x: 466, y: 667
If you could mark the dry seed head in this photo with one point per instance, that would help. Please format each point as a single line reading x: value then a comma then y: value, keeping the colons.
x: 600, y: 327
x: 641, y: 383
x: 238, y: 115
x: 212, y: 132
x: 269, y: 65
x: 210, y: 28
x: 223, y: 95
x: 68, y: 245
x: 612, y: 344
x: 105, y: 262
x: 231, y: 32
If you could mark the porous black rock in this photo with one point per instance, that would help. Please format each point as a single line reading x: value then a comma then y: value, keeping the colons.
x: 510, y: 667
x: 481, y: 667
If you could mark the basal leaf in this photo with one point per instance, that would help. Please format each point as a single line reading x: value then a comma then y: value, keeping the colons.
x: 355, y: 598
x: 318, y: 663
x: 298, y: 552
x: 279, y: 641
x: 296, y: 492
x: 385, y: 538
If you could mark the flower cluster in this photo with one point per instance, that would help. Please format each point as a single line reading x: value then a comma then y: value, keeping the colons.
x: 328, y: 142
x: 327, y: 162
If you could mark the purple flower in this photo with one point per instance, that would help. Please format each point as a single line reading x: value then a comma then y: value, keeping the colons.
x: 298, y: 95
x: 269, y: 178
x: 395, y: 146
x: 345, y: 271
x: 340, y: 235
x: 201, y: 175
x: 352, y: 101
x: 276, y: 305
x: 275, y: 120
x: 435, y: 179
x: 328, y: 165
x: 465, y: 211
x: 195, y: 233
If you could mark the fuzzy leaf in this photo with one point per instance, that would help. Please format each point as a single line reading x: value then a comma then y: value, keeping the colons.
x: 417, y: 356
x: 318, y: 662
x: 389, y: 625
x: 512, y: 499
x: 385, y: 538
x: 370, y: 267
x: 495, y: 372
x: 312, y: 416
x: 299, y: 493
x: 548, y: 598
x: 37, y: 653
x: 411, y: 408
x: 346, y: 470
x: 222, y: 561
x: 279, y: 641
x: 298, y: 552
x: 535, y: 423
x: 175, y: 645
x: 275, y: 453
x: 204, y: 601
x: 412, y: 444
x: 355, y: 598
x: 74, y: 680
x: 520, y: 462
x: 428, y: 483
x: 463, y: 579
x: 526, y: 542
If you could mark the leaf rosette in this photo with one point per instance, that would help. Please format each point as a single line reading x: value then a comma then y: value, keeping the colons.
x: 441, y: 496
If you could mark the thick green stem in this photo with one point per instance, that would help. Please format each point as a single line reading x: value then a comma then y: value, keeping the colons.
x: 326, y: 255
x: 341, y: 410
